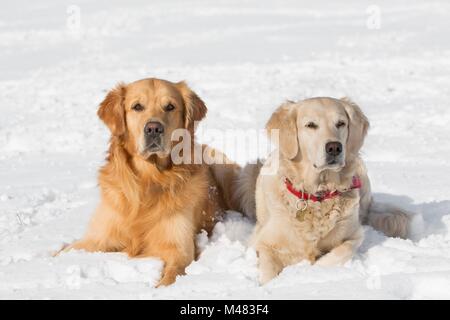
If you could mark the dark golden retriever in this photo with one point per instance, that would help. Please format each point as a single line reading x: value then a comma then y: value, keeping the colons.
x: 149, y: 205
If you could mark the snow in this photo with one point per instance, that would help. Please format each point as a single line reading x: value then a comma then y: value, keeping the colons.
x: 243, y: 58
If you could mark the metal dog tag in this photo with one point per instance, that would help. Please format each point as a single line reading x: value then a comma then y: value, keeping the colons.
x: 301, y: 206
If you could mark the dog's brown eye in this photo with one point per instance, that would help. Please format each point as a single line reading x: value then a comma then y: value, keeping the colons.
x: 340, y: 124
x: 169, y: 107
x: 137, y: 107
x: 311, y: 125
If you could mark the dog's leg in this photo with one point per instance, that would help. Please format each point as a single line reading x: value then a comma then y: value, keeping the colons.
x: 269, y: 265
x: 100, y: 235
x: 170, y: 273
x: 88, y: 245
x: 176, y: 258
x: 343, y: 252
x: 173, y: 241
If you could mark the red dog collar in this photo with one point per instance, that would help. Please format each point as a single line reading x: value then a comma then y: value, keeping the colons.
x: 356, y: 184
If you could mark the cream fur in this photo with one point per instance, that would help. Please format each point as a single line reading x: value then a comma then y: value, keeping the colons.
x: 326, y: 233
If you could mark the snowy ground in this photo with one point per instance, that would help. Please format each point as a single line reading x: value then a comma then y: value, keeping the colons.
x: 243, y: 58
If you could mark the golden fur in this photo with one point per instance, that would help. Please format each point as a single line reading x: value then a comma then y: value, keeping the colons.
x: 327, y: 232
x: 150, y: 206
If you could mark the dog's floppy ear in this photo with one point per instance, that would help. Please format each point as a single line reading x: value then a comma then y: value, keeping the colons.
x: 195, y: 108
x: 358, y: 126
x: 112, y: 111
x: 284, y: 119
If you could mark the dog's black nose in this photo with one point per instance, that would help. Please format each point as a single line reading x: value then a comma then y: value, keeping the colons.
x: 154, y: 128
x: 333, y: 148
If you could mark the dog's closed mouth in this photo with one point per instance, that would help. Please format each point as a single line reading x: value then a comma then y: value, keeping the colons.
x: 330, y: 163
x: 152, y: 147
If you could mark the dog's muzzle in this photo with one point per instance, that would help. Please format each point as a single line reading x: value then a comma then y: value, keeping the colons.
x: 153, y: 132
x: 333, y: 151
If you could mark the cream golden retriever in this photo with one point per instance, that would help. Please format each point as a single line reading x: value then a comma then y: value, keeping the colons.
x: 151, y: 206
x: 313, y: 207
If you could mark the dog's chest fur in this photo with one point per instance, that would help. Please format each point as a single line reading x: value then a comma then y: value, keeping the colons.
x: 319, y: 219
x: 150, y: 207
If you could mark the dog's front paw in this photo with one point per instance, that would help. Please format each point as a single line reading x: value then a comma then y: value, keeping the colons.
x: 267, y: 272
x: 166, y: 280
x: 169, y: 276
x: 266, y: 277
x: 333, y: 259
x: 65, y: 248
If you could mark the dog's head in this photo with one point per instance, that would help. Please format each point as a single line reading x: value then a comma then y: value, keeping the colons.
x: 323, y: 132
x: 145, y: 113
